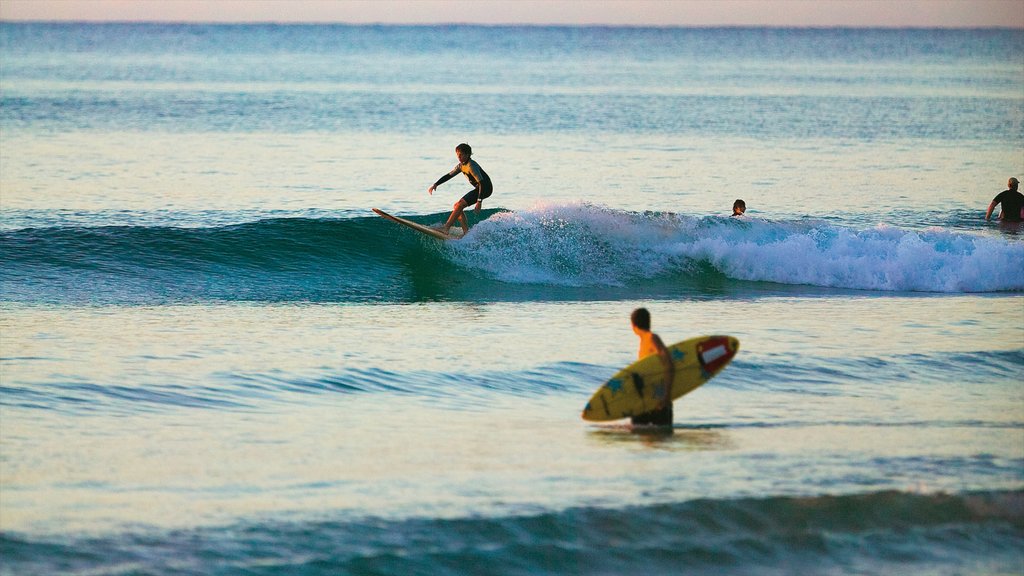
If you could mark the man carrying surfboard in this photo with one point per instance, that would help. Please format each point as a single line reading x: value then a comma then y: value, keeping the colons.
x: 638, y: 391
x: 650, y: 344
x: 481, y: 182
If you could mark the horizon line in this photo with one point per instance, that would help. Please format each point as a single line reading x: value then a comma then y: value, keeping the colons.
x: 513, y: 24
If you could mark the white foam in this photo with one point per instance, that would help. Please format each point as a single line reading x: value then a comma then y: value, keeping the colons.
x: 583, y: 245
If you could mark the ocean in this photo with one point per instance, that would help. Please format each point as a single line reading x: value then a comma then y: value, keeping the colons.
x: 216, y: 359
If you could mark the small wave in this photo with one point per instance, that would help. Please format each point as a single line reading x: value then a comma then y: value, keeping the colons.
x: 765, y: 373
x: 878, y: 533
x: 833, y: 376
x: 245, y: 391
x: 87, y: 397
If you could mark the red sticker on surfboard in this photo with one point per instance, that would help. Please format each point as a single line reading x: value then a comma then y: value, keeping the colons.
x: 714, y: 353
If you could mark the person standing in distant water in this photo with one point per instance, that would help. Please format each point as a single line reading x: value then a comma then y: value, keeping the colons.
x: 481, y: 182
x: 739, y: 207
x: 650, y: 343
x: 1012, y: 203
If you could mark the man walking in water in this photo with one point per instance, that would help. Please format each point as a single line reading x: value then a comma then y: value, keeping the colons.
x: 650, y: 343
x: 481, y: 182
x: 1012, y: 203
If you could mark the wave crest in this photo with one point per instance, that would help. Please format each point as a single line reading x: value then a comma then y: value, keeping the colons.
x: 580, y: 245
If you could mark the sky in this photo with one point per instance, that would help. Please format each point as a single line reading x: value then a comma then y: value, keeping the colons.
x: 821, y: 13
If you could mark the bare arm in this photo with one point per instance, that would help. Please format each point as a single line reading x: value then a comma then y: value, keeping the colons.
x: 991, y: 207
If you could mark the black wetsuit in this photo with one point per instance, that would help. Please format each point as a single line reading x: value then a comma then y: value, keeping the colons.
x: 481, y: 182
x: 1011, y: 202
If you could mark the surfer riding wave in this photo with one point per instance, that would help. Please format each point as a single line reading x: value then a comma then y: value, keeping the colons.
x: 482, y: 187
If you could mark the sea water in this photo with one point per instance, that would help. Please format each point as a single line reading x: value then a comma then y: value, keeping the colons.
x: 215, y: 359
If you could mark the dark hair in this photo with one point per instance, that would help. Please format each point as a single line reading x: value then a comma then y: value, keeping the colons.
x: 464, y: 148
x: 641, y: 318
x: 739, y: 204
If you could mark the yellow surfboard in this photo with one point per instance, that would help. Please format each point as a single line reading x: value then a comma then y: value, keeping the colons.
x: 417, y: 227
x: 632, y: 390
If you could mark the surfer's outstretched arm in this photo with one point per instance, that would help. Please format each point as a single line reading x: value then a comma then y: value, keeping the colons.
x: 442, y: 180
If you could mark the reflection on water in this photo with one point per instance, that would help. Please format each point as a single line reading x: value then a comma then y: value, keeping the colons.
x: 678, y: 437
x: 1010, y: 228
